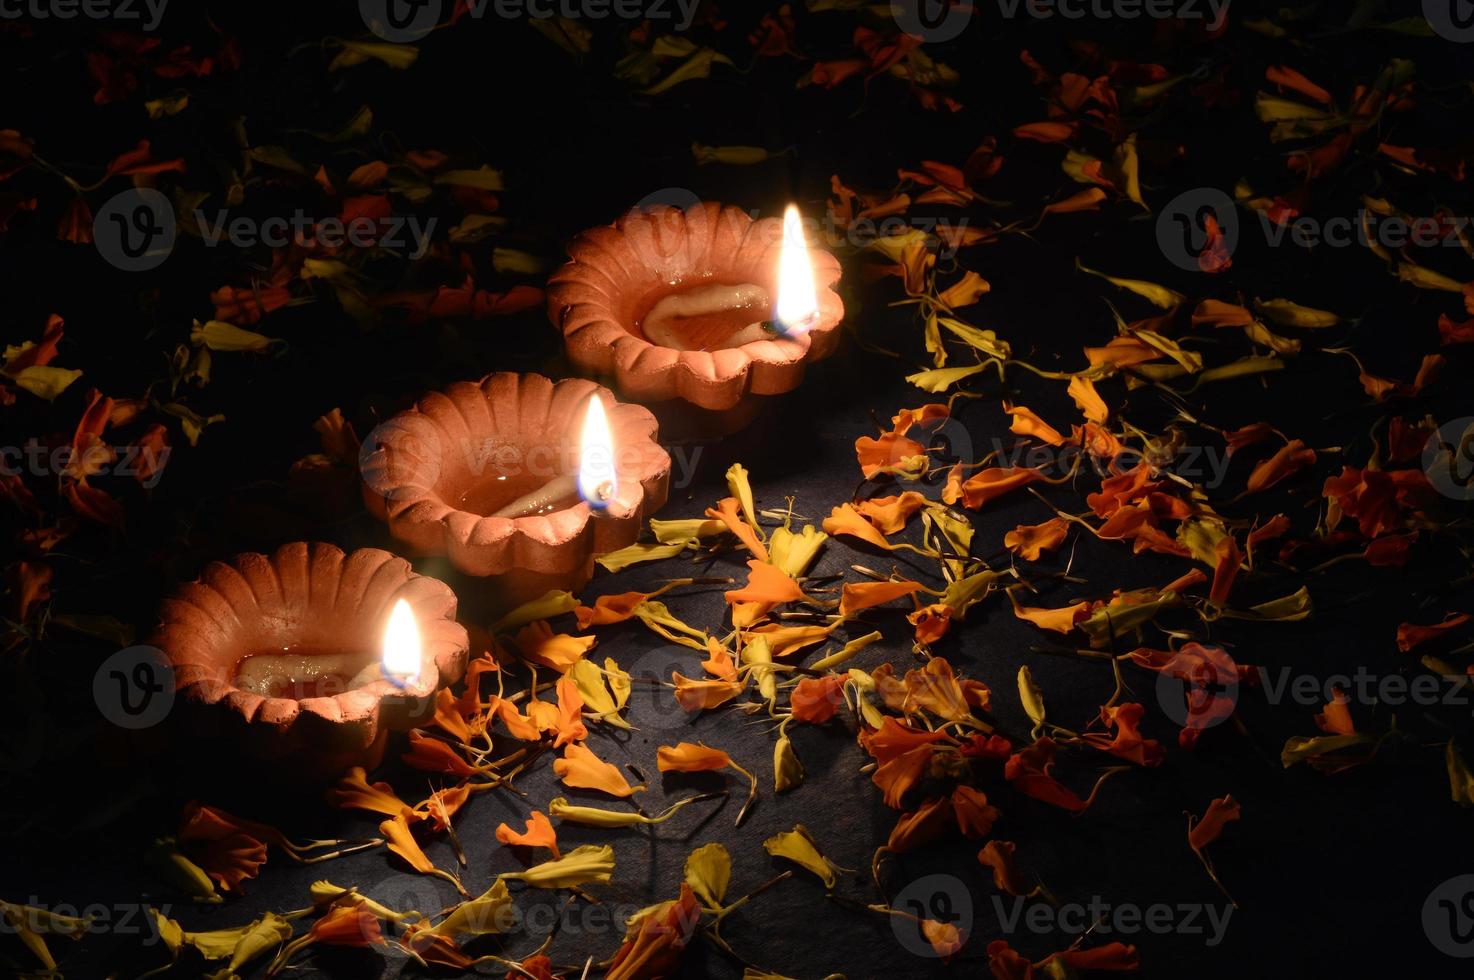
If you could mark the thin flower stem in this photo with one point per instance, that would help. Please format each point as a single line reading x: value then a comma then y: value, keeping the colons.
x: 771, y: 882
x: 751, y: 794
x: 354, y: 849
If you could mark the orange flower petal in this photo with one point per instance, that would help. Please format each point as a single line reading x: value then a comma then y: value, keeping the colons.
x: 432, y: 755
x: 569, y: 722
x: 1026, y: 423
x: 766, y: 583
x: 539, y: 833
x: 728, y: 512
x: 1060, y: 620
x: 1082, y: 390
x: 998, y: 855
x: 440, y: 806
x: 690, y: 757
x: 401, y: 841
x: 845, y: 520
x: 930, y: 820
x: 858, y: 596
x: 518, y: 725
x: 1293, y: 457
x: 696, y: 695
x: 1029, y: 541
x: 970, y: 808
x: 945, y: 938
x: 887, y: 452
x: 538, y: 643
x: 348, y: 925
x: 931, y: 622
x: 816, y: 699
x: 354, y: 790
x: 609, y: 609
x: 581, y: 769
x: 1229, y: 558
x: 448, y: 717
x: 992, y: 483
x: 890, y: 514
x: 1220, y: 812
x: 1410, y: 635
x: 965, y: 291
x: 719, y: 662
x: 896, y: 776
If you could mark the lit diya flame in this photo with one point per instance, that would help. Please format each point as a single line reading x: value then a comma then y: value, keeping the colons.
x: 401, y: 657
x: 798, y: 305
x: 717, y: 316
x: 597, y: 480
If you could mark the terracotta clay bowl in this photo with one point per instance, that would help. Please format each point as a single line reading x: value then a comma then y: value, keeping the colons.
x: 618, y: 272
x: 316, y: 600
x: 438, y: 472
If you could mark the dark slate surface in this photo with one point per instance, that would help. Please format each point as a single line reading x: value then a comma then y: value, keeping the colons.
x: 1331, y: 873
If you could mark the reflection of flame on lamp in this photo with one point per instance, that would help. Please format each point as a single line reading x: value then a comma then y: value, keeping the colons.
x: 401, y: 659
x: 798, y: 305
x: 596, y: 476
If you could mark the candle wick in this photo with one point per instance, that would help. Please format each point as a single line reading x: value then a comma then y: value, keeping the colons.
x: 778, y: 328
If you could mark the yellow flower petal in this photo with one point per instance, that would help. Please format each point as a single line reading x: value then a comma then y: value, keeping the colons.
x: 797, y: 846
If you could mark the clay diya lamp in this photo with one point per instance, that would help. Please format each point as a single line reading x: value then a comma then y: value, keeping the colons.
x: 699, y: 313
x: 308, y: 657
x: 517, y: 479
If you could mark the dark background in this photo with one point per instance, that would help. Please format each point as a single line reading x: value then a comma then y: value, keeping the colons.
x: 1330, y: 872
